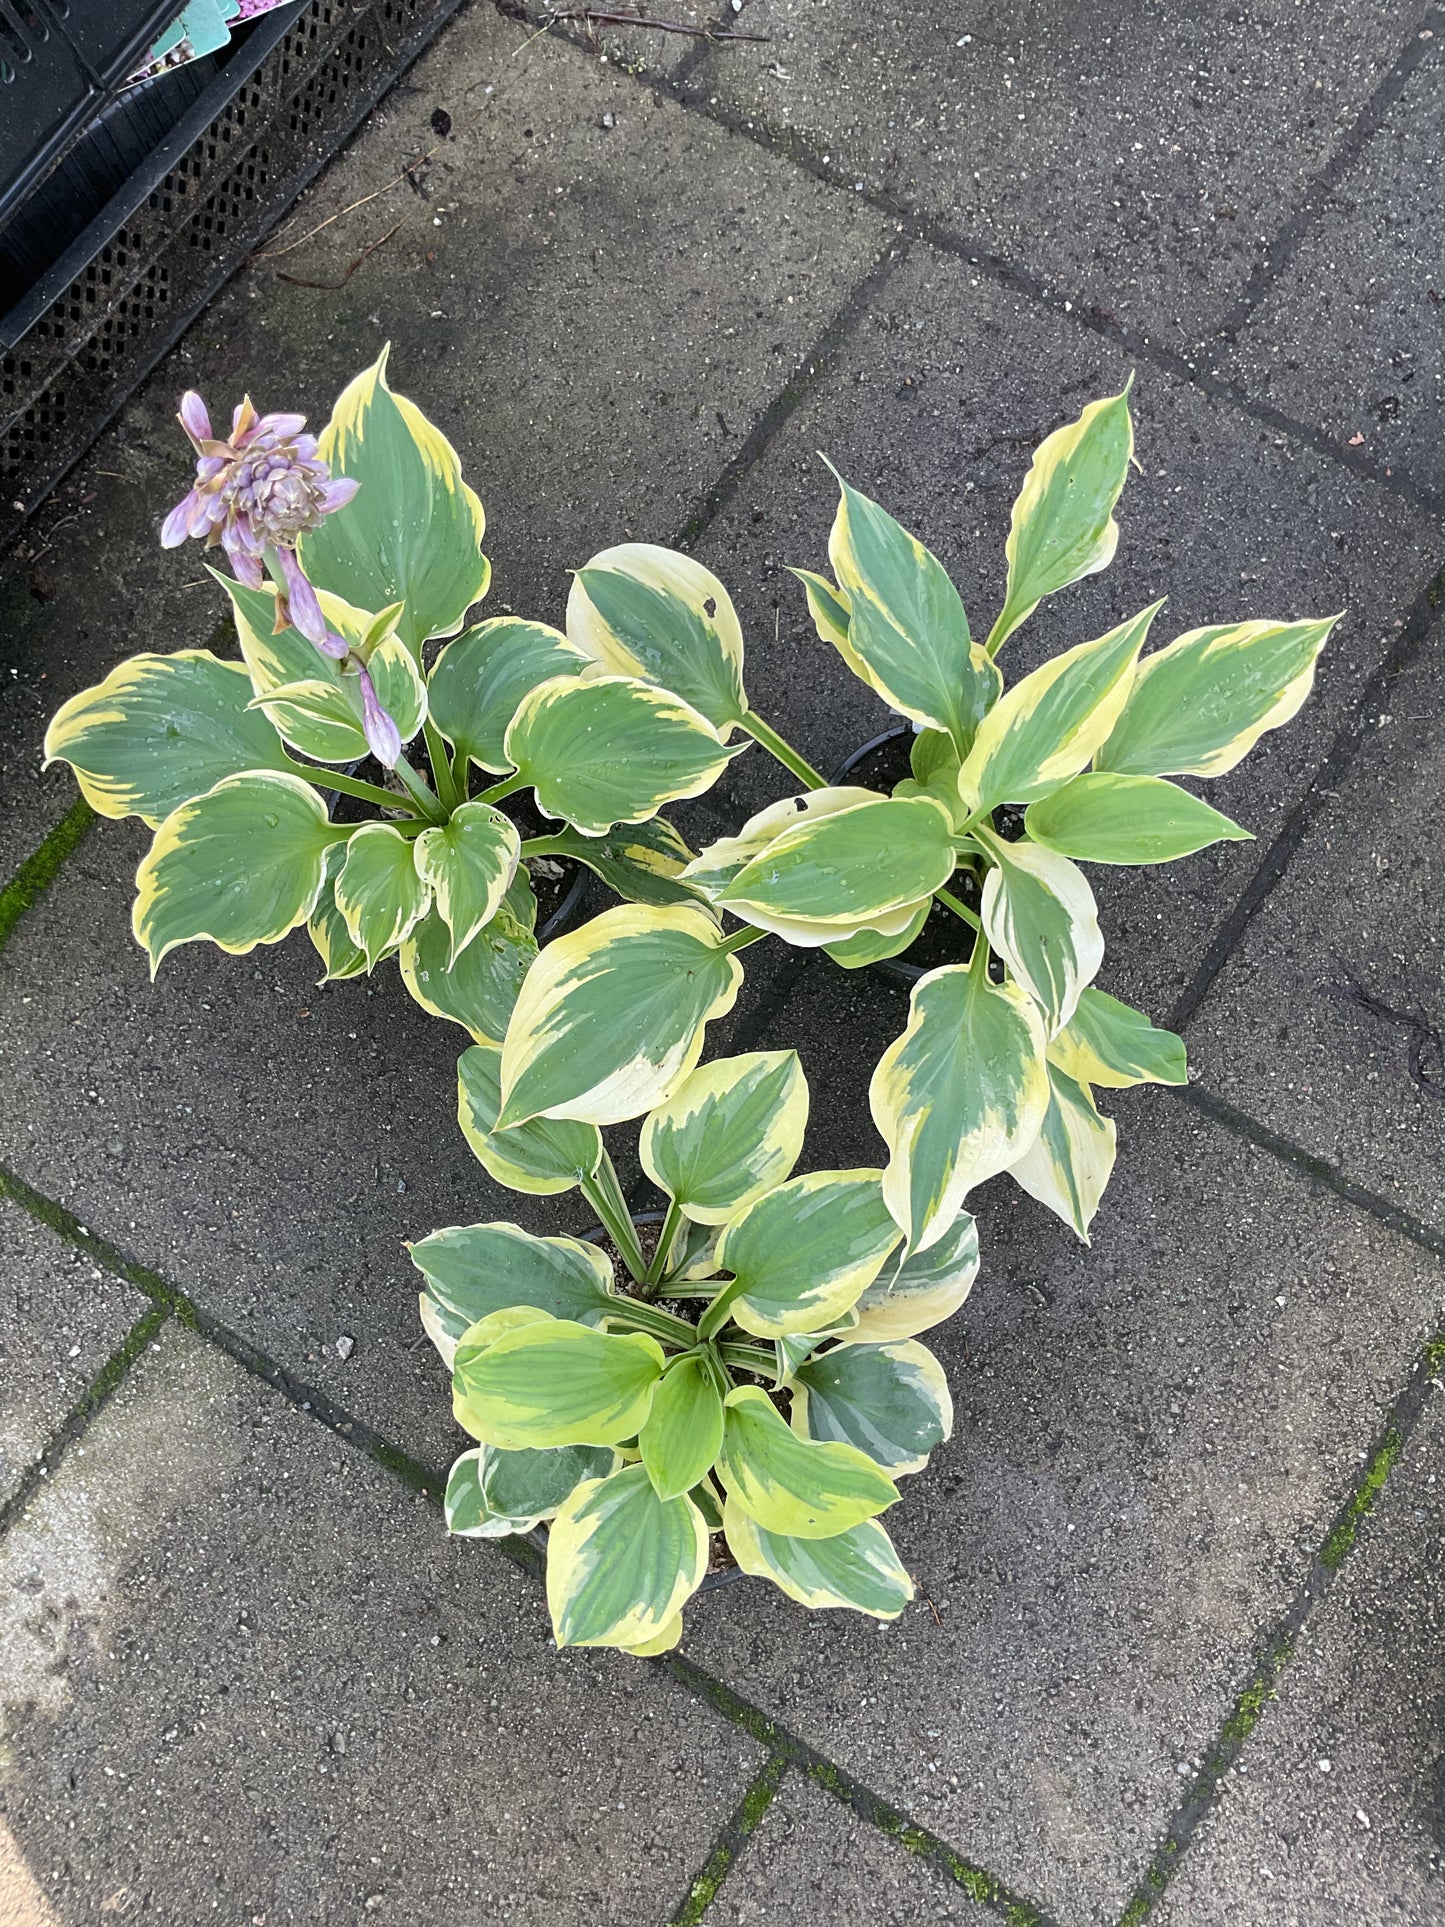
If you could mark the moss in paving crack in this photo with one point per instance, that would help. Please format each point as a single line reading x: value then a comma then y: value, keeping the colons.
x: 745, y: 1822
x: 1337, y: 1548
x: 1139, y: 1909
x: 39, y: 870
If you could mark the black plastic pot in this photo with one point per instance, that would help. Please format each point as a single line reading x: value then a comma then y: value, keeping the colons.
x: 897, y: 969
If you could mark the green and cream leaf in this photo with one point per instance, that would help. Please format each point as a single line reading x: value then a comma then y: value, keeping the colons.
x: 468, y: 864
x: 792, y: 1485
x: 857, y: 1568
x: 544, y: 1156
x: 891, y: 1401
x: 1067, y: 1166
x: 622, y: 1563
x: 1098, y: 817
x: 727, y: 1134
x: 1040, y: 916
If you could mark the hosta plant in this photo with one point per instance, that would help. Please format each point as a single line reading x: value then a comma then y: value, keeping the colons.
x: 1014, y: 787
x: 354, y: 557
x: 758, y: 1376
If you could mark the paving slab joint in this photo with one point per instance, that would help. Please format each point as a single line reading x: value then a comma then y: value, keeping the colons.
x: 1281, y: 251
x: 1277, y: 1646
x: 1327, y: 778
x: 40, y: 869
x: 736, y: 1831
x: 91, y: 1402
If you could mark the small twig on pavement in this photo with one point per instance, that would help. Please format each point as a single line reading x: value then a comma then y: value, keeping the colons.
x: 1422, y: 1033
x: 330, y: 287
x: 595, y: 17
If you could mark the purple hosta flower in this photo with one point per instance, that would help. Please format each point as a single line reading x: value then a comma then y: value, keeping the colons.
x: 382, y: 735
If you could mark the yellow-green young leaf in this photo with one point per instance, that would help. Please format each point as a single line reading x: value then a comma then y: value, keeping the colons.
x: 413, y: 533
x: 479, y: 991
x: 644, y: 611
x: 1098, y: 817
x: 320, y: 709
x: 857, y: 1568
x: 828, y: 606
x: 557, y: 1383
x: 1068, y: 1164
x: 727, y: 1134
x: 803, y: 1253
x: 872, y: 946
x: 935, y: 764
x: 917, y: 1290
x: 612, y: 1016
x: 1045, y: 729
x: 1040, y: 916
x: 612, y: 750
x: 241, y: 865
x: 544, y: 1156
x: 794, y: 1485
x: 641, y: 862
x: 160, y: 730
x: 475, y: 1270
x: 622, y: 1563
x: 891, y: 1401
x: 492, y: 1494
x: 469, y: 864
x: 478, y: 682
x: 841, y: 870
x: 378, y: 891
x: 683, y: 1433
x: 1109, y: 1043
x: 907, y: 632
x: 958, y: 1097
x: 327, y: 927
x: 720, y: 862
x: 1199, y: 706
x: 1063, y: 525
x: 330, y: 707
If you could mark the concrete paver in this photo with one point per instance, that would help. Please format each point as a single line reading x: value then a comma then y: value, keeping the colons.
x: 934, y: 408
x: 1151, y: 1436
x: 1327, y: 1022
x: 1134, y: 156
x: 242, y: 1671
x: 813, y: 1863
x: 61, y: 1318
x: 1334, y: 1811
x: 1350, y: 335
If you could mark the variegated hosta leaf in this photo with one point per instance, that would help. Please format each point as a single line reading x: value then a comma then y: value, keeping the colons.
x: 622, y: 1563
x: 475, y: 1270
x: 520, y: 902
x: 832, y: 874
x: 891, y: 1401
x: 794, y: 1485
x: 720, y: 862
x: 645, y: 611
x: 491, y: 1494
x: 329, y: 707
x: 469, y: 864
x: 378, y: 891
x: 917, y: 1290
x: 641, y: 862
x: 160, y: 730
x: 478, y: 682
x: 907, y: 631
x: 544, y: 1156
x: 241, y: 865
x: 413, y: 534
x: 1040, y: 916
x: 857, y: 1568
x: 684, y: 1429
x: 1045, y: 729
x: 612, y: 1017
x: 1200, y: 705
x: 327, y: 927
x: 554, y: 1382
x: 803, y: 1253
x: 1063, y: 523
x: 329, y: 730
x: 694, y: 1256
x: 1068, y: 1164
x: 727, y: 1134
x: 958, y: 1097
x: 479, y: 991
x: 1098, y: 817
x: 872, y: 946
x: 828, y: 606
x: 612, y: 750
x: 1109, y: 1043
